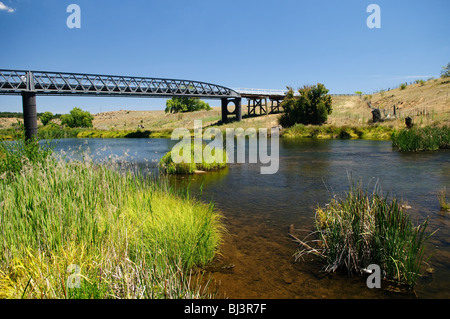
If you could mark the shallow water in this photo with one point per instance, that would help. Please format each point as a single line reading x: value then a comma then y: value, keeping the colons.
x: 257, y: 254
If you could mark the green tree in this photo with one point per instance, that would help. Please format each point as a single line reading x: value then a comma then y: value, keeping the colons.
x: 445, y: 73
x: 312, y: 106
x: 77, y: 118
x: 185, y: 104
x: 46, y: 118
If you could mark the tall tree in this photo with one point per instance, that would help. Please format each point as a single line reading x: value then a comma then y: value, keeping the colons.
x: 312, y: 106
x: 185, y: 104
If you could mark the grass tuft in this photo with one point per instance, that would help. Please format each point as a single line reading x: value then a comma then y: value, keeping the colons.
x: 360, y: 229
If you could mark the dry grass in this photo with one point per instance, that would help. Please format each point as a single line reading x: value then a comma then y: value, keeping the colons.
x: 426, y: 103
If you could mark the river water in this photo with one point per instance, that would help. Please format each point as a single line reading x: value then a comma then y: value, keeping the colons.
x: 256, y: 258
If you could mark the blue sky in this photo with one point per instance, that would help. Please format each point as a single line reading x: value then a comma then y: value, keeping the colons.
x: 238, y: 44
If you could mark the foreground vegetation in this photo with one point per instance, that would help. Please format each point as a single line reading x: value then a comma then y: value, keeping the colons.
x: 118, y: 235
x: 422, y: 139
x: 361, y: 229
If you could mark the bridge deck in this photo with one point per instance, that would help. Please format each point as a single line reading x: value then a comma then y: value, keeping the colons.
x: 58, y: 83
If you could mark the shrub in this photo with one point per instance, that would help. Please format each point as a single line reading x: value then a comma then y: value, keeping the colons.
x: 77, y: 118
x: 445, y: 73
x: 312, y: 106
x: 403, y: 86
x: 46, y: 118
x: 185, y: 104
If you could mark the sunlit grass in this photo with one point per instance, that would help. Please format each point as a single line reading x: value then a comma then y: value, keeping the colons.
x: 131, y: 237
x: 428, y: 138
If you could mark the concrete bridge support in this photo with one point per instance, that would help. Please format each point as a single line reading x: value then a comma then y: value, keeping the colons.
x: 237, y: 109
x: 29, y: 115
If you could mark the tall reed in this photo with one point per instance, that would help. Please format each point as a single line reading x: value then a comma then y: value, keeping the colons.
x: 422, y: 139
x: 130, y: 236
x: 363, y: 228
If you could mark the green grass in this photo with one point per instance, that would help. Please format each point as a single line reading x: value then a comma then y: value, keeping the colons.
x: 168, y: 166
x: 443, y: 204
x: 124, y: 134
x: 372, y: 132
x: 428, y: 138
x: 363, y: 228
x: 131, y: 237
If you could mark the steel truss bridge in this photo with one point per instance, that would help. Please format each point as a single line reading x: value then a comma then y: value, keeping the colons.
x: 29, y: 84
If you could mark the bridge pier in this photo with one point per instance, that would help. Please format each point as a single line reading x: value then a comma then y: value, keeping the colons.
x: 29, y: 115
x: 237, y: 110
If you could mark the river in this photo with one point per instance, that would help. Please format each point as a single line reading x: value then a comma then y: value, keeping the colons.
x: 256, y: 259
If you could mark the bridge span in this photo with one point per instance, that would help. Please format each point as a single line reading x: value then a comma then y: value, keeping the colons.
x: 29, y: 84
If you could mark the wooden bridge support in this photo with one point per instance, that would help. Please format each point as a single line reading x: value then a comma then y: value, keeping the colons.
x: 29, y: 115
x: 237, y: 109
x: 257, y: 102
x: 275, y: 108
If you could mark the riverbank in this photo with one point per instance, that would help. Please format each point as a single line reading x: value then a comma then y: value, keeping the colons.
x: 79, y: 230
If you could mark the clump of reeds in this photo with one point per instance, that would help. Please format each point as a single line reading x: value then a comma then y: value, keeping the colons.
x: 130, y: 236
x: 168, y: 166
x: 443, y: 204
x: 364, y: 228
x: 422, y: 139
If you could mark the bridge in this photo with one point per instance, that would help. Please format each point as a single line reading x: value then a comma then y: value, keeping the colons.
x: 29, y: 84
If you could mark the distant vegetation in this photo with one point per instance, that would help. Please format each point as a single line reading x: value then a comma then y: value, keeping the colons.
x: 19, y: 115
x: 422, y: 139
x: 185, y: 104
x: 373, y: 132
x: 77, y: 118
x: 312, y: 106
x: 445, y: 73
x: 46, y: 118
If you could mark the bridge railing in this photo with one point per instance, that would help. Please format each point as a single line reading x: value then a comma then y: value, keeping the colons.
x: 260, y: 91
x: 41, y: 82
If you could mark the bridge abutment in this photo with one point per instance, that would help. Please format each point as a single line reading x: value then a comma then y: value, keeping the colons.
x: 29, y: 115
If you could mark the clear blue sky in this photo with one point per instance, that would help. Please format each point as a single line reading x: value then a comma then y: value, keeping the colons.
x: 235, y: 43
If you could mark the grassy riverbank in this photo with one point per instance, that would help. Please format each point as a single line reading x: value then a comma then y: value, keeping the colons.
x: 119, y: 234
x: 422, y: 139
x: 371, y: 132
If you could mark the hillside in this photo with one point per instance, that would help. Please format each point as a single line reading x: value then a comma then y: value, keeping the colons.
x: 426, y: 103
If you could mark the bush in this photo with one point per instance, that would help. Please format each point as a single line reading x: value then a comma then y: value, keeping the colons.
x: 403, y: 86
x: 46, y: 118
x: 185, y: 104
x: 445, y: 73
x: 312, y: 106
x: 77, y: 118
